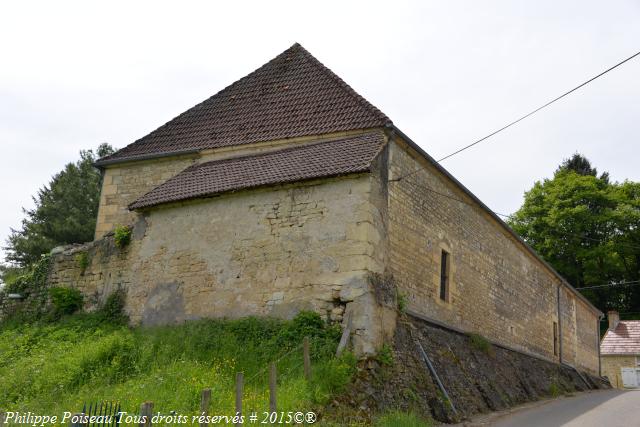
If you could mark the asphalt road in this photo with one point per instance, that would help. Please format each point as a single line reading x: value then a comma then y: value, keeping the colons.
x: 608, y: 408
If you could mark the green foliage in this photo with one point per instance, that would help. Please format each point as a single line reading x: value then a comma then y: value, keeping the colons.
x: 112, y: 310
x: 554, y: 390
x: 385, y: 355
x: 122, y: 236
x: 401, y: 301
x: 65, y: 211
x: 402, y: 419
x: 65, y: 300
x: 55, y: 367
x: 588, y: 229
x: 332, y: 377
x: 31, y: 284
x: 481, y: 343
x: 82, y: 260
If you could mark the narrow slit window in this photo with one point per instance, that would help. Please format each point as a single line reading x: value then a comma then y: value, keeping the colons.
x: 444, y: 276
x: 555, y: 338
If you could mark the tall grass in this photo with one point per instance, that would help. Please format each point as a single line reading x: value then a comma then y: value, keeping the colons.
x: 56, y: 367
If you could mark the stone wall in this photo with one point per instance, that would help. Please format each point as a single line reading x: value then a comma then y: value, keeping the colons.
x: 267, y: 252
x: 611, y: 368
x: 496, y: 287
x: 124, y: 182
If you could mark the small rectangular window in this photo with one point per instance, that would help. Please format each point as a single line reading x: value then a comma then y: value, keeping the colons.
x: 444, y: 276
x: 555, y: 338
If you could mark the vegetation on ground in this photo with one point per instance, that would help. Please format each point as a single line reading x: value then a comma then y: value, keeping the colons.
x: 58, y: 366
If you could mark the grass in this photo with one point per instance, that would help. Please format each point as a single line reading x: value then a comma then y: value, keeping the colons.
x: 56, y: 367
x: 402, y: 419
x: 480, y: 343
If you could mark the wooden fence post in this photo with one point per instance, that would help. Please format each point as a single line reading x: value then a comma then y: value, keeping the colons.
x: 146, y: 411
x: 239, y: 389
x: 205, y: 401
x: 273, y: 377
x: 77, y: 416
x: 307, y: 359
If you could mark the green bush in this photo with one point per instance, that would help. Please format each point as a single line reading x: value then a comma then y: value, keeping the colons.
x: 113, y: 308
x: 385, y: 355
x: 65, y: 300
x: 122, y: 236
x: 82, y: 261
x: 481, y: 343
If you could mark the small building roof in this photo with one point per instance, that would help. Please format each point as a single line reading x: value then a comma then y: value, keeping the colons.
x: 292, y: 95
x: 624, y: 339
x: 299, y: 163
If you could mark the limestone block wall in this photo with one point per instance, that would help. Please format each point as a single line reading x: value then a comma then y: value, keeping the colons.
x: 611, y: 368
x: 266, y: 252
x: 496, y: 288
x: 124, y: 183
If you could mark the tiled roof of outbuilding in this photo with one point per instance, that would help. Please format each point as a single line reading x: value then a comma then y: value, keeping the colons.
x: 317, y: 160
x: 290, y: 96
x: 624, y: 339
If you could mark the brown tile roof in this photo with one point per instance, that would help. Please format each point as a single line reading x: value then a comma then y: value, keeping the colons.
x: 624, y: 339
x: 318, y: 160
x: 290, y: 96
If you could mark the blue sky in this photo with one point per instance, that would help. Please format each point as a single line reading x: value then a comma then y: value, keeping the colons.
x: 75, y: 74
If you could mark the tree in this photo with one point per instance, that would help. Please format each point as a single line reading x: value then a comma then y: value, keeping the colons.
x: 65, y: 211
x: 588, y: 229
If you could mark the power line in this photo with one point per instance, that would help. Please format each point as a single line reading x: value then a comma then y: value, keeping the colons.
x: 523, y: 117
x: 539, y: 108
x: 631, y: 283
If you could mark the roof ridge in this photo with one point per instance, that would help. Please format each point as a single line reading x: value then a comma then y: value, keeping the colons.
x: 343, y: 85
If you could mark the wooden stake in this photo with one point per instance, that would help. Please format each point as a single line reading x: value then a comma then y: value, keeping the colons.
x: 205, y: 401
x: 273, y: 377
x: 307, y: 359
x: 239, y: 389
x: 146, y: 411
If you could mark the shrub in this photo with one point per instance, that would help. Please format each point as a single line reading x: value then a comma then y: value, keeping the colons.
x: 385, y: 355
x: 82, y: 261
x: 481, y: 343
x: 113, y: 308
x: 401, y: 300
x: 122, y: 236
x: 65, y: 300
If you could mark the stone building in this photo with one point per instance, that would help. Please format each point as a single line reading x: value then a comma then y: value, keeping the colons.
x: 620, y: 352
x: 288, y: 191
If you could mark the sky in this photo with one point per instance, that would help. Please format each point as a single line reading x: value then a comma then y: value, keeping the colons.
x: 76, y: 74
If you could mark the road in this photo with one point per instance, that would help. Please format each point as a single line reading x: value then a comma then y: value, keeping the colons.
x: 608, y: 408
